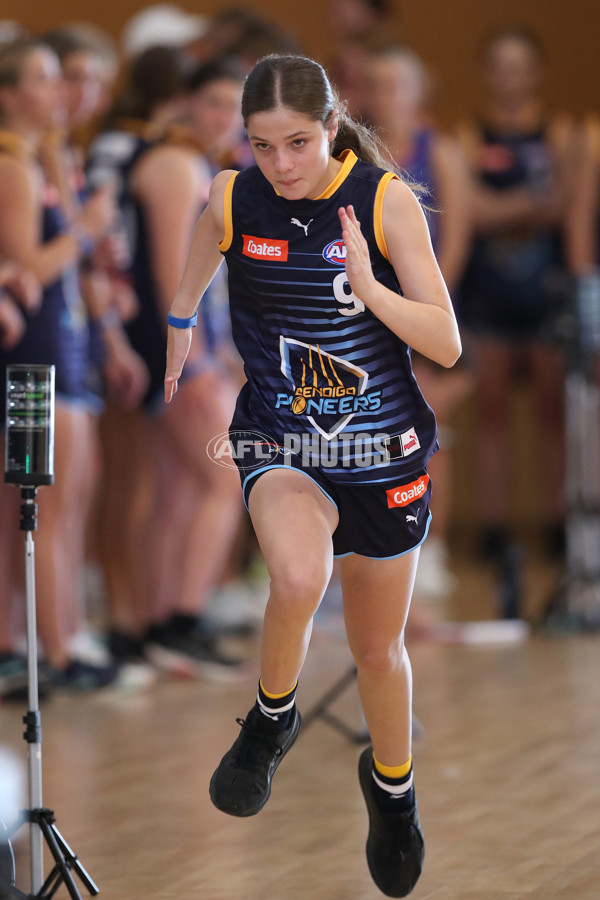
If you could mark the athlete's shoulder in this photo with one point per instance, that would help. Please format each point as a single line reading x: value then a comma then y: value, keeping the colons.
x: 367, y: 171
x: 399, y: 195
x: 402, y: 217
x: 250, y: 181
x: 470, y: 136
x: 560, y: 130
x: 219, y: 185
x: 166, y: 167
x: 447, y: 152
x: 17, y: 176
x: 590, y: 135
x: 219, y: 198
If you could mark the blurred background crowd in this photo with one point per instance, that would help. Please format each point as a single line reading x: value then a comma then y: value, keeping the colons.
x: 146, y: 561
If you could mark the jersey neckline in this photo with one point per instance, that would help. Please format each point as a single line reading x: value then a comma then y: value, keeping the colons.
x: 16, y: 146
x: 348, y: 158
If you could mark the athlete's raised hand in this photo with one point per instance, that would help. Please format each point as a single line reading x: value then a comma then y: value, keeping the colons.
x: 178, y: 347
x: 358, y: 261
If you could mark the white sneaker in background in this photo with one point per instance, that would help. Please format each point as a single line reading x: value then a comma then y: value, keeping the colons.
x: 434, y: 581
x: 238, y: 603
x: 89, y: 647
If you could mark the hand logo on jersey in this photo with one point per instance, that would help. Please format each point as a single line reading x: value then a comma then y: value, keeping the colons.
x: 327, y: 389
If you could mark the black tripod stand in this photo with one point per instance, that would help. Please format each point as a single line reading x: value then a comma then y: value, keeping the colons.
x: 29, y: 462
x: 321, y: 710
x: 41, y: 820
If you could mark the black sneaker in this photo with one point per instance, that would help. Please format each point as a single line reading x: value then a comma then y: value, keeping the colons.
x: 14, y: 682
x: 191, y: 654
x: 128, y: 652
x: 395, y: 846
x: 80, y: 676
x: 13, y: 673
x: 124, y: 648
x: 241, y: 784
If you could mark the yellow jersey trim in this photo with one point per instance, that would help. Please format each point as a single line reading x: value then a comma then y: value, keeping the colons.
x: 277, y: 696
x: 378, y: 216
x: 348, y: 159
x: 14, y: 145
x: 225, y: 242
x: 393, y: 771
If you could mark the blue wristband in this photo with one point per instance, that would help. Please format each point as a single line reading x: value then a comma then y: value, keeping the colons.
x: 182, y: 323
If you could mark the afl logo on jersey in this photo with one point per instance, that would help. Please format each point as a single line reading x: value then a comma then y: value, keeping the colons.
x: 335, y: 253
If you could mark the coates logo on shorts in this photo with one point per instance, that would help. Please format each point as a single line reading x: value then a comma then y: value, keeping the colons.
x: 407, y: 493
x: 335, y: 253
x: 246, y: 449
x: 265, y: 248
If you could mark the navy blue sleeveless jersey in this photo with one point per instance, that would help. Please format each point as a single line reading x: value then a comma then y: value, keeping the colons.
x: 419, y: 167
x: 320, y: 366
x: 112, y: 158
x: 58, y: 332
x: 509, y: 283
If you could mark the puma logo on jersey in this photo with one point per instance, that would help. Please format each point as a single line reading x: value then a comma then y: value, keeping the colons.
x: 410, y: 442
x: 414, y: 519
x: 301, y: 225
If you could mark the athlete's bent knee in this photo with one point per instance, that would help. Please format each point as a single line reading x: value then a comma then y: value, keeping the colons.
x: 298, y: 586
x: 379, y: 658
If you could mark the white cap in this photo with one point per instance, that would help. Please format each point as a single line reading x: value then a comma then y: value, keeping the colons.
x: 10, y: 31
x: 164, y: 24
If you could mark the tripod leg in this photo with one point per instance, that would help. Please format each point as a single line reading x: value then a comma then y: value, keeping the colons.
x: 321, y: 711
x: 60, y: 864
x: 74, y: 861
x: 51, y: 884
x: 327, y: 699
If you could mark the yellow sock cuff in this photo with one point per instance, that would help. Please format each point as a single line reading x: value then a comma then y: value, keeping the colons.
x: 277, y: 696
x: 393, y: 771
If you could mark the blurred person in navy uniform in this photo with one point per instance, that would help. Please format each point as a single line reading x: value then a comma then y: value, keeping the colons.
x: 182, y: 514
x: 36, y: 233
x: 518, y: 152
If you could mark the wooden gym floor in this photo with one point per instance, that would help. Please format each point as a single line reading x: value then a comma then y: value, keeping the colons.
x: 506, y: 773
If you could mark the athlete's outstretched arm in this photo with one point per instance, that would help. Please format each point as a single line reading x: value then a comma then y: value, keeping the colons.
x: 202, y: 263
x: 423, y: 318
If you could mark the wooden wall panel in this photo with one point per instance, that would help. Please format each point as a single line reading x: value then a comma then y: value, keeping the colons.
x: 445, y: 32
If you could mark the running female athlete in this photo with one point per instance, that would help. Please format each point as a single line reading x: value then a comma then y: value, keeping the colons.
x: 332, y: 280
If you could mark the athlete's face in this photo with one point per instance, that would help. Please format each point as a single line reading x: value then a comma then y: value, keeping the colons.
x: 35, y: 101
x: 214, y: 113
x: 82, y: 80
x: 292, y: 151
x: 396, y: 91
x: 513, y: 69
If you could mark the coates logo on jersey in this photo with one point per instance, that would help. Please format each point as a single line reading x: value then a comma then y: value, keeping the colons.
x: 335, y: 253
x: 407, y: 493
x: 265, y: 248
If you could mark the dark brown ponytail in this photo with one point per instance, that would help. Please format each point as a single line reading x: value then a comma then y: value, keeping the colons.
x: 353, y: 135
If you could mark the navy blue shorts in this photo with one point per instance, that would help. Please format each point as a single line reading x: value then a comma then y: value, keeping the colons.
x: 380, y: 520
